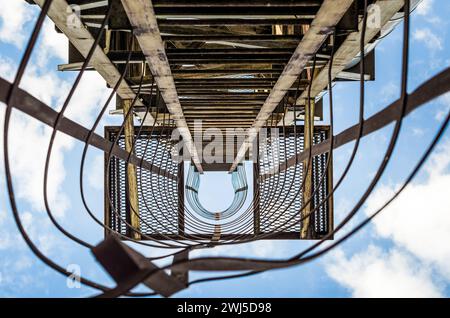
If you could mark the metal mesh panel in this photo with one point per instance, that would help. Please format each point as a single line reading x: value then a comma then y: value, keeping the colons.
x: 158, y: 195
x: 280, y: 198
x: 280, y: 195
x: 272, y: 199
x: 320, y: 217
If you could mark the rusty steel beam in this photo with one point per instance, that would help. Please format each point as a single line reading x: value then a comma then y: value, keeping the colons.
x: 129, y: 268
x: 33, y: 107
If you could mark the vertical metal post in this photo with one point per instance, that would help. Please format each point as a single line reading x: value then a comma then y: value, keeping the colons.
x: 181, y: 225
x: 108, y: 190
x: 256, y: 190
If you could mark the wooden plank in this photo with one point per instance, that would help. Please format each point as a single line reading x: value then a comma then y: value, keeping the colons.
x: 329, y: 14
x: 348, y: 50
x: 143, y: 19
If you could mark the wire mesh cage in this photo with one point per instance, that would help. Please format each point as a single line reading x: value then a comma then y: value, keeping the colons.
x: 161, y: 196
x: 280, y: 195
x: 158, y: 199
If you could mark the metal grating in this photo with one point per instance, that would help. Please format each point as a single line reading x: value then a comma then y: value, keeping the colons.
x: 278, y: 197
x: 321, y: 216
x: 158, y: 195
x: 280, y: 194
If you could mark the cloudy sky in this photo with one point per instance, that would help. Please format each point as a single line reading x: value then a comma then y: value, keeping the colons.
x: 405, y: 252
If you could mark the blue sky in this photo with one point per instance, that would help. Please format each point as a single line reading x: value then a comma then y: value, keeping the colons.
x: 401, y: 254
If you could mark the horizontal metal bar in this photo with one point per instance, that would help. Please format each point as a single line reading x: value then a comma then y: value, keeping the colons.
x: 227, y: 61
x: 227, y: 71
x: 251, y: 80
x: 221, y: 108
x: 229, y: 51
x: 275, y: 236
x: 232, y: 118
x: 229, y: 84
x: 222, y: 57
x: 214, y: 96
x: 222, y: 102
x: 289, y: 12
x: 234, y: 3
x: 219, y: 112
x: 234, y: 86
x: 33, y: 107
x: 235, y: 21
x: 232, y: 37
x: 139, y: 56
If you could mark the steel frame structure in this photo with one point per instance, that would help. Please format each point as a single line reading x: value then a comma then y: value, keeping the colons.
x: 130, y: 268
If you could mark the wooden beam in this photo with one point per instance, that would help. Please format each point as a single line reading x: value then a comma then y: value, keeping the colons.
x: 348, y: 50
x: 329, y: 14
x: 308, y: 186
x: 133, y: 199
x: 143, y: 19
x: 60, y: 12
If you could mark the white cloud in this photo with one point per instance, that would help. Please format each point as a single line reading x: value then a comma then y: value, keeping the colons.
x: 373, y: 273
x: 432, y: 41
x: 52, y: 44
x: 419, y: 220
x: 424, y: 7
x: 29, y: 138
x: 445, y: 107
x: 95, y: 177
x: 45, y: 86
x: 418, y: 225
x: 14, y: 15
x: 389, y: 92
x: 28, y: 142
x: 6, y: 69
x: 88, y: 99
x: 418, y: 132
x: 258, y: 249
x: 20, y: 271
